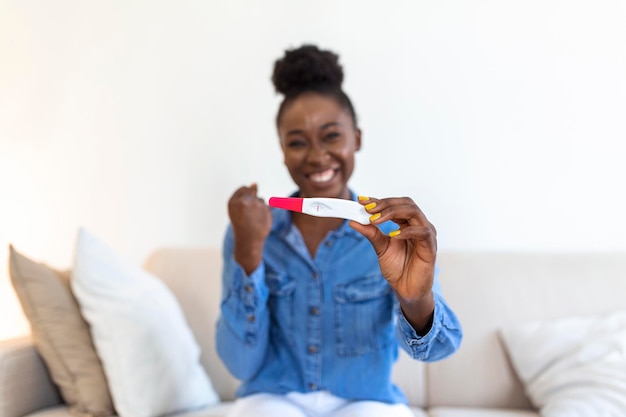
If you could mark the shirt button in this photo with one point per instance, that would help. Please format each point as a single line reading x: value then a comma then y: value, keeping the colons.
x: 314, y: 275
x: 312, y: 349
x: 328, y: 243
x: 315, y: 311
x: 248, y: 288
x: 312, y: 387
x: 252, y: 318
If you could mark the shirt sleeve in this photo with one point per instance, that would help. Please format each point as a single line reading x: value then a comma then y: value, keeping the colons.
x: 243, y: 324
x: 443, y: 338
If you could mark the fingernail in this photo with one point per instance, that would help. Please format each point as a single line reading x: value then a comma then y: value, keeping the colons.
x: 370, y: 206
x: 374, y: 217
x: 394, y: 233
x: 363, y: 198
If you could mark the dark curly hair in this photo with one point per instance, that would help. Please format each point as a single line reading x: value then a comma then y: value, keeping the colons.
x: 310, y: 69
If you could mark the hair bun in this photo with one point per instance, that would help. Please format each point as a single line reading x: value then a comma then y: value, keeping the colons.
x: 307, y: 68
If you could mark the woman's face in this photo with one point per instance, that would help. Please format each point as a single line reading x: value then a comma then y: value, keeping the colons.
x: 318, y: 139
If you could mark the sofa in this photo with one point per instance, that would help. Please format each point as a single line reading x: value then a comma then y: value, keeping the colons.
x: 488, y: 291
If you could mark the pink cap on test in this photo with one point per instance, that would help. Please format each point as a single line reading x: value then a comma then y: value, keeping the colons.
x: 287, y: 203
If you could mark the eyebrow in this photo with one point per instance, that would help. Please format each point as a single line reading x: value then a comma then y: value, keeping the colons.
x: 322, y: 127
x: 330, y: 124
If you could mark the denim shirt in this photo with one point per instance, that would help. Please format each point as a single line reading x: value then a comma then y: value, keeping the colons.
x: 331, y: 322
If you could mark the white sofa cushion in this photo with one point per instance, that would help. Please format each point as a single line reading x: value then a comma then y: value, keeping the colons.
x: 574, y: 366
x: 150, y: 357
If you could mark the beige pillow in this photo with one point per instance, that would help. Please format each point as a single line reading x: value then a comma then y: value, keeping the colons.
x: 61, y: 335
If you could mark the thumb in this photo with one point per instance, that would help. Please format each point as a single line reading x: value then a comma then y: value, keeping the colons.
x: 377, y: 238
x: 254, y: 187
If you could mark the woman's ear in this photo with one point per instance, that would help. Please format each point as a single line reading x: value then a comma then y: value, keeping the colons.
x: 358, y: 139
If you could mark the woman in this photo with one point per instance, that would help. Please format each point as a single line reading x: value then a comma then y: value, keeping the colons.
x: 314, y: 309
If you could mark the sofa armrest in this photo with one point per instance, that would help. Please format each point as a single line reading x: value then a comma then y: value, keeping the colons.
x: 25, y: 385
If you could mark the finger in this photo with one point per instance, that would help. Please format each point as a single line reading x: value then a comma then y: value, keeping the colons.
x: 378, y: 239
x: 254, y: 191
x: 245, y: 197
x: 244, y: 191
x: 424, y: 234
x: 370, y: 205
x: 399, y: 210
x: 239, y: 191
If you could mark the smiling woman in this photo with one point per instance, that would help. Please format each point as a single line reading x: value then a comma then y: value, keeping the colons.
x: 315, y: 308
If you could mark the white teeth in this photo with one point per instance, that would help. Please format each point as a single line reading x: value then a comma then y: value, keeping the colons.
x: 322, y: 176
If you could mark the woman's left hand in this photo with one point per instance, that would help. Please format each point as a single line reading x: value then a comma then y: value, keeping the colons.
x: 406, y: 256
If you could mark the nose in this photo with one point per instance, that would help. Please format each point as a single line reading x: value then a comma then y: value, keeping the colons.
x: 317, y: 155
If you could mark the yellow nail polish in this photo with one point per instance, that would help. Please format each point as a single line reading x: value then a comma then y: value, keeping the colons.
x: 394, y: 233
x: 370, y: 206
x: 363, y: 198
x: 374, y: 217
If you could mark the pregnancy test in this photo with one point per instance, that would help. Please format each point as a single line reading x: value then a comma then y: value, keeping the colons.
x: 323, y: 207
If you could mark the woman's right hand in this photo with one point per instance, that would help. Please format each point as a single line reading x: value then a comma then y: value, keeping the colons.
x: 251, y: 220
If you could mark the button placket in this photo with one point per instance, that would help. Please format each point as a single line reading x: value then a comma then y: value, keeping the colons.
x: 313, y: 360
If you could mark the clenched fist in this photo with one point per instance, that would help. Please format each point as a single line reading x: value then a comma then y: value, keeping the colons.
x: 251, y: 220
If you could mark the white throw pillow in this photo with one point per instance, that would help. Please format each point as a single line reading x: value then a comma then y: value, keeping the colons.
x: 149, y: 355
x: 573, y: 366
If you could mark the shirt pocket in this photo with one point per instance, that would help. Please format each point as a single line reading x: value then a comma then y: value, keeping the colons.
x: 281, y: 288
x: 363, y: 315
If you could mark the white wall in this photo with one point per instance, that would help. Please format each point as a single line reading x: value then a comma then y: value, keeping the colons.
x: 137, y: 119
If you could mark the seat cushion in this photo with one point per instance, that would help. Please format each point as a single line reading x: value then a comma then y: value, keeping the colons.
x: 479, y: 412
x: 418, y: 412
x: 217, y: 410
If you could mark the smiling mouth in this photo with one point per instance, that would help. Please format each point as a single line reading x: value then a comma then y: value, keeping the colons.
x: 323, y: 176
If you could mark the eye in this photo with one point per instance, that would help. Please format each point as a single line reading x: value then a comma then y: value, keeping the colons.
x: 332, y: 136
x: 296, y: 143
